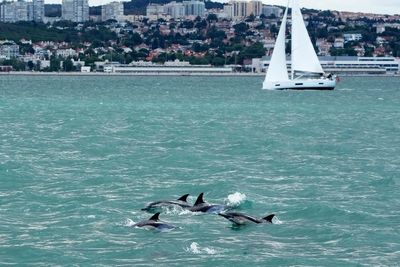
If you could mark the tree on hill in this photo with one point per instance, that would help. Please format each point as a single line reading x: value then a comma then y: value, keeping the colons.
x: 213, y: 5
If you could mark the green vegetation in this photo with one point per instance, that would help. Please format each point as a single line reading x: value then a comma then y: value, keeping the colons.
x: 62, y: 31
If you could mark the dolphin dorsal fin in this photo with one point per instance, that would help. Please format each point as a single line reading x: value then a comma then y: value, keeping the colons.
x: 155, y: 217
x: 183, y: 198
x: 269, y: 218
x: 199, y: 200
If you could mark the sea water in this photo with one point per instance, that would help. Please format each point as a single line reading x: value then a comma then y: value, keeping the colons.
x: 80, y: 156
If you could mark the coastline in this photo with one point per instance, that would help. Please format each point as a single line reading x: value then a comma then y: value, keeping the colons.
x: 199, y: 74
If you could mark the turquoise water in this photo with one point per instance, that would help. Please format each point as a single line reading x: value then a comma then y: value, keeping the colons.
x: 79, y: 157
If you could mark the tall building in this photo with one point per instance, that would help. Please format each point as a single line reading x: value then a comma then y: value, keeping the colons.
x: 254, y: 7
x: 113, y: 10
x: 175, y: 10
x: 228, y: 10
x: 14, y: 11
x: 241, y: 9
x: 22, y: 10
x: 154, y: 10
x: 194, y: 8
x: 75, y: 10
x: 6, y: 12
x: 38, y: 10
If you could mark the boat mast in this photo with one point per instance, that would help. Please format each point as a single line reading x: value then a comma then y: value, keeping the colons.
x: 291, y: 41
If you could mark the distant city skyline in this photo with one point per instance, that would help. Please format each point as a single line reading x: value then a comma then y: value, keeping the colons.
x: 368, y: 6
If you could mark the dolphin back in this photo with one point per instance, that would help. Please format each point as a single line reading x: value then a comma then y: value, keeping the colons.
x: 182, y: 202
x: 199, y: 200
x: 183, y: 198
x: 269, y: 218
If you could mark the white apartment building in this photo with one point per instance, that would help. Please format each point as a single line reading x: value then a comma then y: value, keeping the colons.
x: 22, y: 11
x: 175, y: 10
x: 194, y: 8
x: 38, y: 10
x: 154, y: 11
x: 242, y: 9
x: 75, y: 10
x: 15, y: 11
x: 254, y: 7
x: 113, y: 10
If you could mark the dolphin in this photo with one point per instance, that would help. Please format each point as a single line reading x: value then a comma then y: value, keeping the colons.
x: 241, y: 218
x: 181, y: 202
x: 155, y: 223
x: 201, y: 206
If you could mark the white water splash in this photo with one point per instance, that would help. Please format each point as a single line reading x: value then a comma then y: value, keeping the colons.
x: 235, y: 199
x: 129, y: 223
x: 196, y: 249
x: 276, y: 220
x: 175, y: 210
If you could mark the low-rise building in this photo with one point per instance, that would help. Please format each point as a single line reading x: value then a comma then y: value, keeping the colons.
x: 343, y: 64
x: 85, y: 69
x: 339, y: 43
x: 324, y: 47
x: 9, y: 49
x: 352, y: 37
x: 64, y: 53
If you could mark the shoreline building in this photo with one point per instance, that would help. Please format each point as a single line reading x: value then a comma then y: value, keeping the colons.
x: 75, y: 10
x: 113, y: 10
x: 342, y: 64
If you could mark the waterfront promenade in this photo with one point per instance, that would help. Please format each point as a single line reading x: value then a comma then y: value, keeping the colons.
x: 225, y: 74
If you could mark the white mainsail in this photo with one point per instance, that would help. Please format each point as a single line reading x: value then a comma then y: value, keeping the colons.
x: 304, y: 58
x: 307, y: 72
x: 277, y: 70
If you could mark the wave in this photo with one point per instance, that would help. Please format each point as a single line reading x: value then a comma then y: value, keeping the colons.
x: 129, y: 223
x: 196, y: 249
x: 235, y: 200
x: 175, y: 210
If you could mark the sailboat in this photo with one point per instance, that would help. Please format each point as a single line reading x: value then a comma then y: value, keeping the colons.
x: 306, y: 71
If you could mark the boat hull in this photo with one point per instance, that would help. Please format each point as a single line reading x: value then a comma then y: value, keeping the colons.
x: 312, y: 84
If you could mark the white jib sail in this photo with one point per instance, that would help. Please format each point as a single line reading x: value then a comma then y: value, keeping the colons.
x: 304, y: 58
x: 277, y: 70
